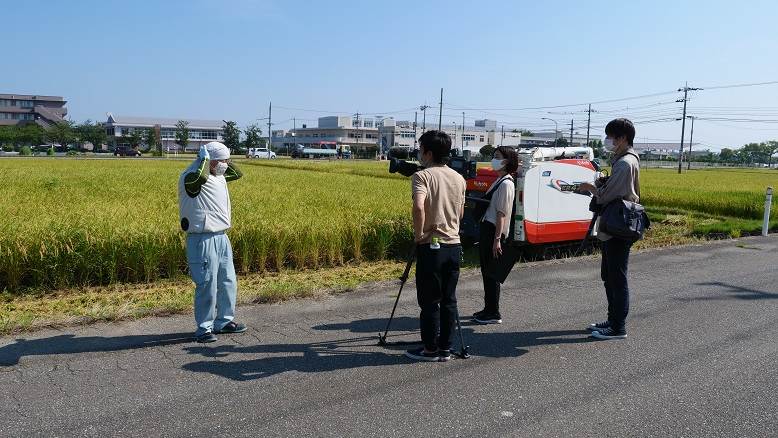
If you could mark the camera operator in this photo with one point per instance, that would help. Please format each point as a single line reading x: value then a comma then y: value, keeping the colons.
x: 624, y: 183
x: 494, y: 228
x: 438, y: 205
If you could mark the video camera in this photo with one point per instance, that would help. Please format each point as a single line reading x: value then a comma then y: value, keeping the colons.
x: 463, y: 166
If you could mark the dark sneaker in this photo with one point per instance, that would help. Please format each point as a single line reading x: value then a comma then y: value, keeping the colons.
x: 232, y: 327
x: 422, y: 355
x: 479, y: 313
x: 598, y: 326
x: 206, y: 338
x: 609, y: 333
x: 488, y: 318
x: 444, y: 355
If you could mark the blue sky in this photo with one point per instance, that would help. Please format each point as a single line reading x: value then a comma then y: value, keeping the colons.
x: 227, y: 59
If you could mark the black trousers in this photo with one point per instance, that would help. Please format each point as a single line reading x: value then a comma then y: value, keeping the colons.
x: 487, y: 260
x: 615, y: 261
x: 437, y: 274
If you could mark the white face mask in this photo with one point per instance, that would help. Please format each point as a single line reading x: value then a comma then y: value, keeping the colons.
x: 608, y: 144
x: 498, y: 164
x: 220, y: 169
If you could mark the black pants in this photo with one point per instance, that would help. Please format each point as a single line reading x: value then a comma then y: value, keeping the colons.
x: 615, y: 261
x: 491, y: 286
x: 437, y: 273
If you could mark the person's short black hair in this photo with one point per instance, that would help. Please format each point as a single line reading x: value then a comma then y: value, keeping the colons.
x: 437, y: 142
x: 510, y: 156
x: 621, y: 128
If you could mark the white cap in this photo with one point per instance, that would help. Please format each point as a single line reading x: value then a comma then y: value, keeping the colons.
x: 217, y: 151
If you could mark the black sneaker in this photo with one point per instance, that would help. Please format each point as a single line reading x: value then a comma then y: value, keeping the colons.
x: 206, y: 338
x: 444, y: 355
x: 422, y: 355
x: 479, y: 313
x: 598, y: 326
x: 609, y: 333
x: 232, y: 327
x: 488, y: 318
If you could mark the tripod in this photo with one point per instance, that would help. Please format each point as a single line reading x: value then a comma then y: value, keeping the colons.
x: 462, y: 354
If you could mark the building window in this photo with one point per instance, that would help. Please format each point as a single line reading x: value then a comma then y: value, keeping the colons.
x: 468, y: 137
x: 209, y: 135
x: 482, y: 139
x: 27, y: 104
x: 5, y: 102
x: 110, y: 131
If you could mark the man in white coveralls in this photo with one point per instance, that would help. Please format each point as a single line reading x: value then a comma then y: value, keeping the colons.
x: 204, y: 210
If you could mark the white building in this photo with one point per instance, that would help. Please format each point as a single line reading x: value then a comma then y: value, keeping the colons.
x: 200, y: 131
x: 361, y: 135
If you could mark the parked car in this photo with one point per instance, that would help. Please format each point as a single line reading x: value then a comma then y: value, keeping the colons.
x: 125, y: 151
x: 261, y: 153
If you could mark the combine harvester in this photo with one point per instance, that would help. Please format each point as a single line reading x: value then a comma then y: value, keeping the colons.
x: 549, y: 216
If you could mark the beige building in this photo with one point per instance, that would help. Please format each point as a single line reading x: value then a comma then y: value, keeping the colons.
x: 17, y: 109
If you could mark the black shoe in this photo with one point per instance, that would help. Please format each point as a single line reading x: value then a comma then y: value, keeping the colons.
x: 479, y: 313
x: 422, y: 355
x: 206, y: 338
x: 232, y: 327
x: 598, y: 326
x: 609, y: 333
x: 488, y: 318
x: 444, y: 355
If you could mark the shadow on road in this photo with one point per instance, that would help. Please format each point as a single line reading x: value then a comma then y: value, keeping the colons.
x: 731, y: 292
x: 70, y: 344
x: 361, y: 351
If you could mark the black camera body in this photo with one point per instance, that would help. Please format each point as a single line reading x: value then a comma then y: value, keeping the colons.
x: 464, y: 167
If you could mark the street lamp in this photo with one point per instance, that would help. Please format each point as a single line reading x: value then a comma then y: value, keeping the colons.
x: 556, y: 128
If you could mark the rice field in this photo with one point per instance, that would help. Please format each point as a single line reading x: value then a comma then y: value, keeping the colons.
x: 73, y: 222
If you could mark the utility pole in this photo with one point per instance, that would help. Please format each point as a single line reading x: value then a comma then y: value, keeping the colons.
x: 463, y: 131
x: 685, y: 90
x: 588, y: 124
x: 415, y: 119
x: 502, y: 134
x: 423, y: 109
x: 269, y: 124
x: 571, y: 133
x: 691, y: 138
x: 440, y: 111
x: 357, y: 134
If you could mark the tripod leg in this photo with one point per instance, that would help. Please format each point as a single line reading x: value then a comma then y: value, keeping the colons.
x: 403, y: 279
x: 463, y: 354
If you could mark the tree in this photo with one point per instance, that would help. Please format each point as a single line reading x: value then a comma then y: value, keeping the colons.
x: 560, y: 142
x: 727, y: 155
x: 8, y: 136
x: 182, y: 133
x: 526, y: 133
x: 135, y: 138
x: 599, y: 150
x: 486, y: 151
x: 62, y: 133
x: 253, y: 136
x: 92, y: 133
x: 231, y: 136
x: 771, y: 148
x: 151, y: 139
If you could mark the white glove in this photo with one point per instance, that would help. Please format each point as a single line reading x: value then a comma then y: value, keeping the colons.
x: 203, y: 154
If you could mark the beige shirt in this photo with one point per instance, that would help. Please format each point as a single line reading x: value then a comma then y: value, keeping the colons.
x: 624, y: 183
x: 502, y: 202
x: 444, y: 191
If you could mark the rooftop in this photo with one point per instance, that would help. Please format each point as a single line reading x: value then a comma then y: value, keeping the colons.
x: 33, y: 97
x: 163, y: 122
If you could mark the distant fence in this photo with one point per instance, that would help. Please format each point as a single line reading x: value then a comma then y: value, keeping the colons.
x: 650, y: 164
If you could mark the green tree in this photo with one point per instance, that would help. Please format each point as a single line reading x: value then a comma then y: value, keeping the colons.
x: 560, y: 142
x: 231, y: 136
x: 727, y: 155
x: 62, y: 133
x: 253, y: 136
x: 771, y: 148
x: 486, y: 151
x: 526, y: 133
x: 92, y: 133
x: 134, y: 138
x: 151, y: 140
x: 8, y: 136
x: 182, y: 134
x: 599, y: 150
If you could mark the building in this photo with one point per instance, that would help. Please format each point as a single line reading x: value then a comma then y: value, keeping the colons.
x: 661, y: 151
x: 367, y: 136
x: 24, y: 108
x: 361, y: 134
x: 200, y: 131
x: 541, y: 139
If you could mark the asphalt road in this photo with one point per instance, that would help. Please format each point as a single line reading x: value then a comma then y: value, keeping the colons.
x: 701, y: 360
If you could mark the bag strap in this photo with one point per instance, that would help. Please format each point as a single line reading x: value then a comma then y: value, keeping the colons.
x: 496, y: 186
x: 637, y: 158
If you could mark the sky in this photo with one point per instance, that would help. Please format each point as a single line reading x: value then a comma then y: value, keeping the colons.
x: 504, y: 60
